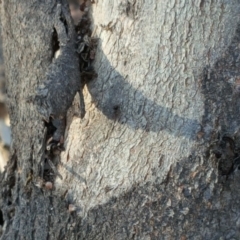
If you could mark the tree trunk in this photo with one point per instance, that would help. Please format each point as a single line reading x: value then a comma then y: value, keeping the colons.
x: 156, y: 155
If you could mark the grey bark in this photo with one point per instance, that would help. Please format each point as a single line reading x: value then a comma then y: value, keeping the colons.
x: 156, y: 156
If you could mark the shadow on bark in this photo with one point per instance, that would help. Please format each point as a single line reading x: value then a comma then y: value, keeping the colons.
x: 176, y: 209
x: 220, y: 123
x: 189, y: 204
x: 120, y: 101
x: 221, y: 119
x: 220, y: 87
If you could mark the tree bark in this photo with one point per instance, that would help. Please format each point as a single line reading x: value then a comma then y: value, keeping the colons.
x: 156, y: 155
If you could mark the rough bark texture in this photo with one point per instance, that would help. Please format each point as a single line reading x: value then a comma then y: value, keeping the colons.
x: 156, y: 156
x: 28, y: 210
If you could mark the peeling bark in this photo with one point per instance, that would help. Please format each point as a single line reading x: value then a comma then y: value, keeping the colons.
x: 156, y: 155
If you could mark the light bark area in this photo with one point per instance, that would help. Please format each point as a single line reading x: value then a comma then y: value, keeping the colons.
x: 160, y: 131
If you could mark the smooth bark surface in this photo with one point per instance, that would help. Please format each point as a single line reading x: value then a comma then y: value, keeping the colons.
x: 156, y: 155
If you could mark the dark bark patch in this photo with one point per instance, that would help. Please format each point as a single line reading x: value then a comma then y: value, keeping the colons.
x: 55, y: 43
x: 220, y: 88
x: 64, y: 21
x: 130, y: 8
x: 221, y: 119
x: 1, y: 218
